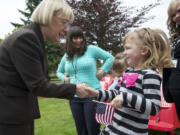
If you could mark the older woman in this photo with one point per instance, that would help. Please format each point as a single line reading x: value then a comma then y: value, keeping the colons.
x: 23, y: 68
x: 171, y: 76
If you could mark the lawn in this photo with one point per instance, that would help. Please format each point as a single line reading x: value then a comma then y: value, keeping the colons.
x: 56, y: 118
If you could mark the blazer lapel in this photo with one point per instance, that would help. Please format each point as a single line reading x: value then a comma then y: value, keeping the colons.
x: 37, y: 29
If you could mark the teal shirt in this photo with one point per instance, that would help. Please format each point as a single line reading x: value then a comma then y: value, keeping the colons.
x: 83, y: 69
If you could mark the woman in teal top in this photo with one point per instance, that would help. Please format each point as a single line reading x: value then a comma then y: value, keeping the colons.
x: 79, y: 62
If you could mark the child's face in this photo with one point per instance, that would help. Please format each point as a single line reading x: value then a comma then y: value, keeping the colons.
x: 118, y: 74
x: 133, y: 51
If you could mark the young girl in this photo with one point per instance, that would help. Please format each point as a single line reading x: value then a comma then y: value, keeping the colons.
x: 119, y: 66
x: 137, y: 93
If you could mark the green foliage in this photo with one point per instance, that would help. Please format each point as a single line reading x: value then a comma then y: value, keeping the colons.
x: 55, y: 52
x: 1, y: 40
x: 105, y: 29
x: 105, y: 22
x: 30, y: 6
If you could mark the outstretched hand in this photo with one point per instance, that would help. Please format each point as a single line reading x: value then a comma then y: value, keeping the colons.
x: 84, y: 91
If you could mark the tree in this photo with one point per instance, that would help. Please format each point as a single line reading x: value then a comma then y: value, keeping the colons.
x: 1, y: 40
x: 30, y: 6
x: 55, y: 52
x: 105, y: 22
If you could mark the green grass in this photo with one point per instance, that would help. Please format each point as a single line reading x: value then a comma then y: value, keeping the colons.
x: 55, y: 79
x: 56, y: 118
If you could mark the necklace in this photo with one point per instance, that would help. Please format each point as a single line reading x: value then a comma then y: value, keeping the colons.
x: 74, y: 65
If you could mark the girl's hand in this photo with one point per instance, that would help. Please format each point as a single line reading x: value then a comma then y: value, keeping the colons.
x: 92, y: 92
x: 116, y: 102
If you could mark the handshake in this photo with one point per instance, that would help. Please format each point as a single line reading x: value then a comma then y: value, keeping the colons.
x: 84, y: 91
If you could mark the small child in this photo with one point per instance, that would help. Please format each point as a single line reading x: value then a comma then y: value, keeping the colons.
x: 137, y: 93
x: 119, y: 66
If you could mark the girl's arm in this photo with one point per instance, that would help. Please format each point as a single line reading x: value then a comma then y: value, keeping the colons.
x: 108, y: 95
x: 111, y: 93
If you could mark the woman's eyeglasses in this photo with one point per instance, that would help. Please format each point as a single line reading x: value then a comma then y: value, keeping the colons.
x: 64, y: 22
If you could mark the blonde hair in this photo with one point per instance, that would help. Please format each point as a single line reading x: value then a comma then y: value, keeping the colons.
x: 173, y: 31
x: 158, y: 45
x: 48, y: 8
x: 119, y: 64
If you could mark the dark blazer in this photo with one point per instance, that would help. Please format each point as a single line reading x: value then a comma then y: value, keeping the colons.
x: 165, y: 85
x: 171, y: 82
x: 24, y: 76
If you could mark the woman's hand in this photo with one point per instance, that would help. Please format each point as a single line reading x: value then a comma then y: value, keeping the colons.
x: 100, y: 74
x: 84, y: 91
x: 67, y: 80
